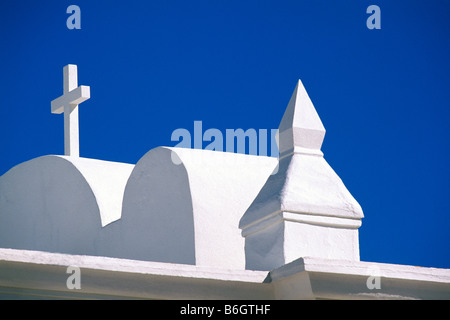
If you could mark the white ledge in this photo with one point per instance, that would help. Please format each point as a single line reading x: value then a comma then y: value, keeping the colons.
x: 130, y: 266
x: 36, y: 274
x: 300, y: 150
x: 301, y: 217
x: 361, y: 268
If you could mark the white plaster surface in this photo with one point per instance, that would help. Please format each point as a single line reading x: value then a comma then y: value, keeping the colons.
x: 304, y: 184
x: 287, y: 240
x: 301, y: 125
x: 199, y: 198
x: 59, y: 204
x: 107, y: 180
x: 363, y: 268
x: 37, y: 275
x: 304, y: 209
x: 185, y: 212
x: 312, y: 278
x: 68, y: 103
x: 135, y: 266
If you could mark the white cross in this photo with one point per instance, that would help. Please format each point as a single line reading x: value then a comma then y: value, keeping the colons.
x: 68, y: 103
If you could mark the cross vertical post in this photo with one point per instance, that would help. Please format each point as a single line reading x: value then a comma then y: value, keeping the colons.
x: 68, y: 103
x: 71, y: 128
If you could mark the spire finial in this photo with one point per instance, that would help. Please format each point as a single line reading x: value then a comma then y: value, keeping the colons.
x: 300, y: 130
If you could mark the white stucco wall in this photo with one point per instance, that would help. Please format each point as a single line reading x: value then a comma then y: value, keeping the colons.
x: 60, y: 204
x: 191, y: 201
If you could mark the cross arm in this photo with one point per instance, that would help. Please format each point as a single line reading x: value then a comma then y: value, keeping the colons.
x: 74, y: 97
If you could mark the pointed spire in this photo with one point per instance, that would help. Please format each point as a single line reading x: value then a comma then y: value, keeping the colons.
x: 300, y: 130
x: 304, y: 209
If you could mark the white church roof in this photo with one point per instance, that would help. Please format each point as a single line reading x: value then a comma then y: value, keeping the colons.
x: 170, y: 191
x: 197, y: 214
x: 197, y: 195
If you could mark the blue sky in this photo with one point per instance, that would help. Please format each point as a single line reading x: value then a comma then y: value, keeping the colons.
x: 155, y: 66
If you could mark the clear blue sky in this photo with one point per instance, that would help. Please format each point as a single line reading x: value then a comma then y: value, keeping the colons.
x: 155, y: 66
